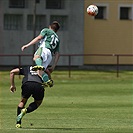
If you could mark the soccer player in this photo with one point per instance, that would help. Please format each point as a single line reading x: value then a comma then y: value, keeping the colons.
x: 49, y: 45
x: 32, y: 85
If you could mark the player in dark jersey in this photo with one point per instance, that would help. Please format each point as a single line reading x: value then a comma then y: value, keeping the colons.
x: 32, y: 85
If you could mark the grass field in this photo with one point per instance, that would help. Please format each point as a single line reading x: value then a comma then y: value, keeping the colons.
x: 88, y: 102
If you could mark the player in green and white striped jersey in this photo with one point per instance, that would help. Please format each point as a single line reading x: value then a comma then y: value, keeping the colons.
x: 49, y: 45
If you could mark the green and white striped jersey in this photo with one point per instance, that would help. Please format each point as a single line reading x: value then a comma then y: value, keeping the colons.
x: 50, y: 40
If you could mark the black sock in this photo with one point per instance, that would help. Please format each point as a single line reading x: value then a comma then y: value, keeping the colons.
x: 33, y: 106
x: 18, y: 112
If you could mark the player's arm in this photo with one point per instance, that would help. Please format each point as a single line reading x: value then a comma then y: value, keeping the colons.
x: 12, y: 77
x: 48, y: 73
x: 34, y: 41
x: 56, y: 58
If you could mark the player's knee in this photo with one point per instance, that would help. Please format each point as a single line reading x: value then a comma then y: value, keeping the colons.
x: 35, y: 57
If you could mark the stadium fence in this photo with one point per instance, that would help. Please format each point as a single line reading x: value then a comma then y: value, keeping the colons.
x: 69, y: 66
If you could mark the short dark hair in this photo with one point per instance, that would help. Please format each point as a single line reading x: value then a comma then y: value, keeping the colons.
x: 55, y: 26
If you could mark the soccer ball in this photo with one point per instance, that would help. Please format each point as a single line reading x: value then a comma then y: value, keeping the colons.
x: 92, y: 10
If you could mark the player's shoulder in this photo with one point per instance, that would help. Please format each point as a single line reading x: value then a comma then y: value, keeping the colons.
x: 26, y: 68
x: 44, y: 30
x: 50, y: 31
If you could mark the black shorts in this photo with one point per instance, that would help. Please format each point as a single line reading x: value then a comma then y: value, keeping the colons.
x: 34, y: 89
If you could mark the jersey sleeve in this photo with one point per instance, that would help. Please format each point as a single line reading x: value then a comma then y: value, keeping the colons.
x: 43, y: 32
x: 22, y: 71
x: 57, y: 48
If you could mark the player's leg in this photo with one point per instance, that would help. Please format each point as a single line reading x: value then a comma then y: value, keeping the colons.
x: 37, y: 56
x: 21, y: 105
x: 37, y: 92
x: 21, y: 111
x: 33, y: 106
x: 38, y: 60
x: 48, y: 73
x: 47, y: 58
x: 38, y: 95
x: 43, y: 57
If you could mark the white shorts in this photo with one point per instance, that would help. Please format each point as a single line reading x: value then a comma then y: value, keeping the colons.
x: 46, y: 56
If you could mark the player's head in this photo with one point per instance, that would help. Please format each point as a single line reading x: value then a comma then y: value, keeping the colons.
x: 55, y: 26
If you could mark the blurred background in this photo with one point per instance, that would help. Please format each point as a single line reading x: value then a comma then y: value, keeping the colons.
x: 86, y: 42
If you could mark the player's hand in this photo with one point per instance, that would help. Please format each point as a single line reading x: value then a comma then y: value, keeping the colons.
x: 23, y: 47
x: 12, y: 89
x: 51, y: 69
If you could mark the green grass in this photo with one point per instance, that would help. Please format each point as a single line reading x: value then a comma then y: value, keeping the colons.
x: 88, y: 102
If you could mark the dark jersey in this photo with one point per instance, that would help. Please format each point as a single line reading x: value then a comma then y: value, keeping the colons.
x: 29, y: 75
